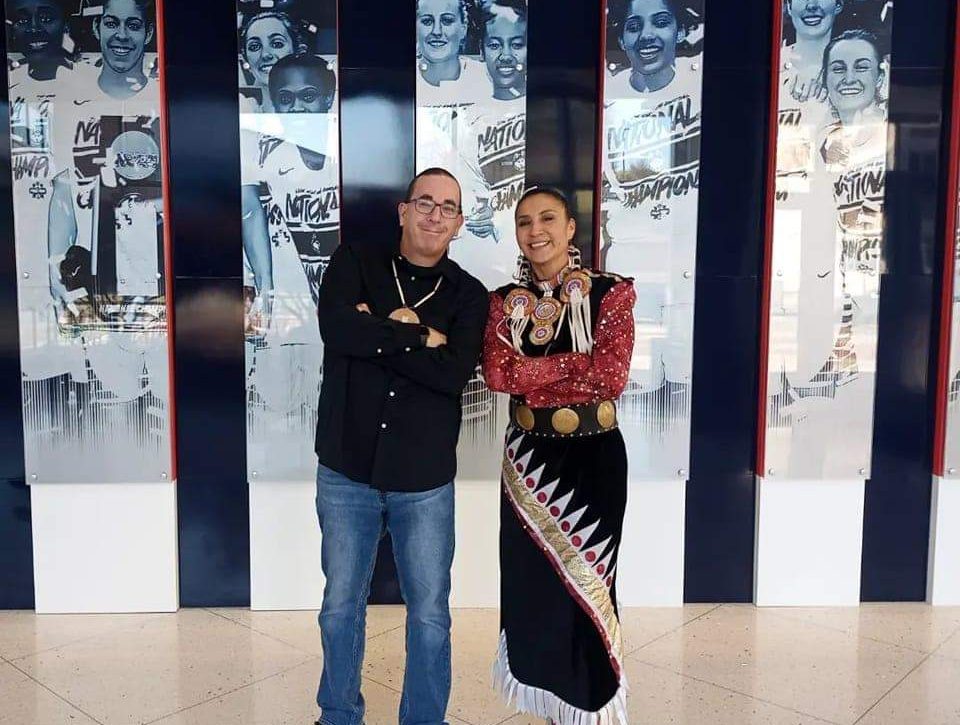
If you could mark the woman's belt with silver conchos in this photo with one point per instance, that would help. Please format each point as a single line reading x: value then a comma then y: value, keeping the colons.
x: 567, y: 421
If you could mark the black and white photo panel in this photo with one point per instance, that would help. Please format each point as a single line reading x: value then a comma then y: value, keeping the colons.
x: 828, y: 237
x: 85, y: 124
x: 290, y: 195
x: 652, y: 90
x: 471, y: 119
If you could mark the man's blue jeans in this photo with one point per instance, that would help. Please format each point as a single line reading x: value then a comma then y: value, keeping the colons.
x: 353, y: 518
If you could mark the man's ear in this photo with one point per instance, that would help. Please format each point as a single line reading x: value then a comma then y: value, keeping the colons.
x: 149, y: 34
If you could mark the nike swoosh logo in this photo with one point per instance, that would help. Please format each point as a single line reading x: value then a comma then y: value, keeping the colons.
x: 81, y: 103
x: 824, y: 275
x: 284, y: 172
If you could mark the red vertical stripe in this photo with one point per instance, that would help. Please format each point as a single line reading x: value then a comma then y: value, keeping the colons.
x: 766, y: 270
x: 167, y: 234
x: 949, y: 261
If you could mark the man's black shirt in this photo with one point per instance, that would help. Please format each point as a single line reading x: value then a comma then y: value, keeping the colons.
x: 389, y: 412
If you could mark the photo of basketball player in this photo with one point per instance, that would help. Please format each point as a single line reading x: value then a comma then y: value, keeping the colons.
x: 290, y: 195
x: 471, y: 119
x: 497, y: 129
x: 39, y: 30
x: 649, y: 208
x: 123, y: 90
x: 441, y: 31
x: 855, y: 146
x: 124, y: 30
x: 644, y: 39
x: 854, y: 77
x: 828, y: 236
x: 86, y: 135
x: 301, y: 175
x: 265, y: 38
x: 504, y: 47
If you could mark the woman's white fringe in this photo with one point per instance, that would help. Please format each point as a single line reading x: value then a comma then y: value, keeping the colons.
x: 545, y: 704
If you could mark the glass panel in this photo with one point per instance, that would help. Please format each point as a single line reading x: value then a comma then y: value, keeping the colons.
x: 471, y: 120
x: 291, y: 221
x: 827, y: 239
x: 85, y: 125
x: 651, y: 177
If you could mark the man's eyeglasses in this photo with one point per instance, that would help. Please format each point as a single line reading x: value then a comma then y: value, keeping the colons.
x: 425, y: 205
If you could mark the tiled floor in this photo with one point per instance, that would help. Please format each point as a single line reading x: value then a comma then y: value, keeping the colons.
x: 876, y: 665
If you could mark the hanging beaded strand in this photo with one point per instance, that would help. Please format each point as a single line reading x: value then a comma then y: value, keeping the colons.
x: 405, y: 313
x: 548, y: 313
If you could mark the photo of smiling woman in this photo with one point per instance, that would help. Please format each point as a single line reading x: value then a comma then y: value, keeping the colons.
x: 651, y: 177
x: 290, y: 195
x: 827, y: 244
x: 265, y: 38
x: 471, y: 118
x: 88, y: 209
x: 444, y: 69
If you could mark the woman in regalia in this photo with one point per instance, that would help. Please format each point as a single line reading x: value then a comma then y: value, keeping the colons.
x: 559, y: 341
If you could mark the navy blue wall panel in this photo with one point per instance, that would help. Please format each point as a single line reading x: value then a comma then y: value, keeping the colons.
x: 562, y: 94
x: 205, y: 210
x: 897, y: 503
x: 719, y: 537
x: 16, y: 545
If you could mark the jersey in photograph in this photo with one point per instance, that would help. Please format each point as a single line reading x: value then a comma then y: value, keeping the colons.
x: 39, y: 114
x: 472, y: 85
x: 40, y: 138
x: 858, y: 156
x: 651, y: 177
x: 117, y: 256
x: 303, y: 213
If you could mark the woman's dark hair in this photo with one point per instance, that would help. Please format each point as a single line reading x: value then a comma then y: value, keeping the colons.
x: 864, y: 35
x: 689, y: 15
x: 432, y: 171
x: 462, y: 6
x: 147, y: 7
x: 67, y: 7
x: 550, y: 191
x: 518, y: 6
x: 304, y: 61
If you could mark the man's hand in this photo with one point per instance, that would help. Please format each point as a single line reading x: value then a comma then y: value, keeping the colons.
x: 435, y: 338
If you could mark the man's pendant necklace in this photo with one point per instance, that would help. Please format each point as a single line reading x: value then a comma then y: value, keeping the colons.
x: 405, y: 313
